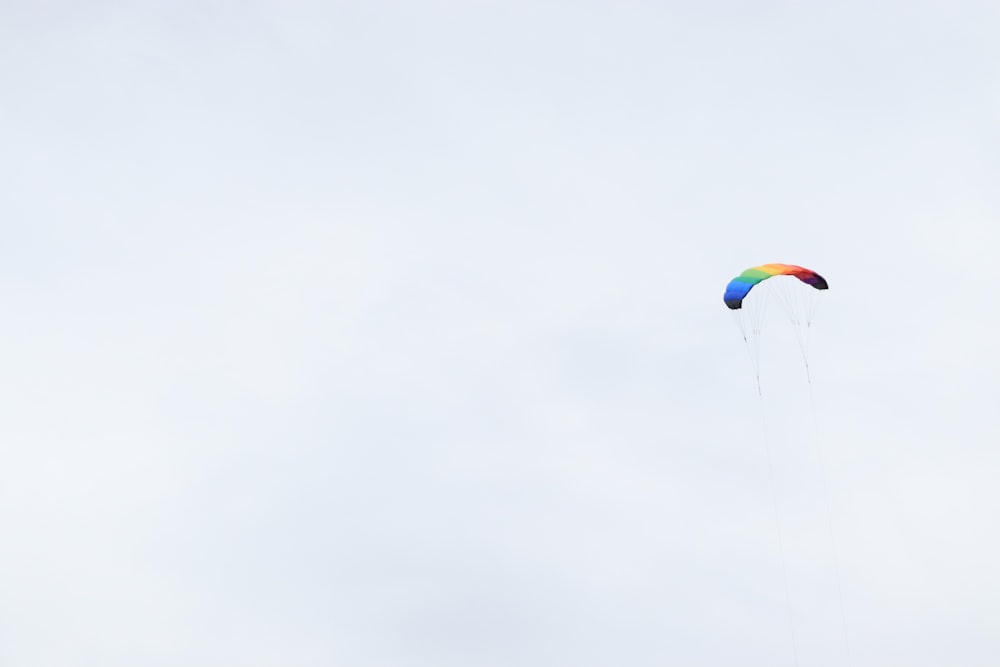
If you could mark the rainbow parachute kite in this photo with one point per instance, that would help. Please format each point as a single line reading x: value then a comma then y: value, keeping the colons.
x: 798, y: 302
x: 741, y: 285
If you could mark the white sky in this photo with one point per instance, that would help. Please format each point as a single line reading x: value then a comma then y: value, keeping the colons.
x: 390, y: 334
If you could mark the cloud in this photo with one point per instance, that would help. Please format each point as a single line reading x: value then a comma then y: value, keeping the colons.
x: 393, y: 334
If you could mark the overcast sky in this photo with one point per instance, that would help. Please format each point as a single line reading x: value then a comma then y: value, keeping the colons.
x: 390, y: 334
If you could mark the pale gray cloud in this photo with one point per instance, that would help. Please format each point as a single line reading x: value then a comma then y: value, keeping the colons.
x: 387, y: 333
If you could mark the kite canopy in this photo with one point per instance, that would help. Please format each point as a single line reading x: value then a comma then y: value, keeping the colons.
x: 740, y: 286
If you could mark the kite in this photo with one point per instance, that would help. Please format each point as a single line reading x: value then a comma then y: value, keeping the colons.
x: 741, y: 285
